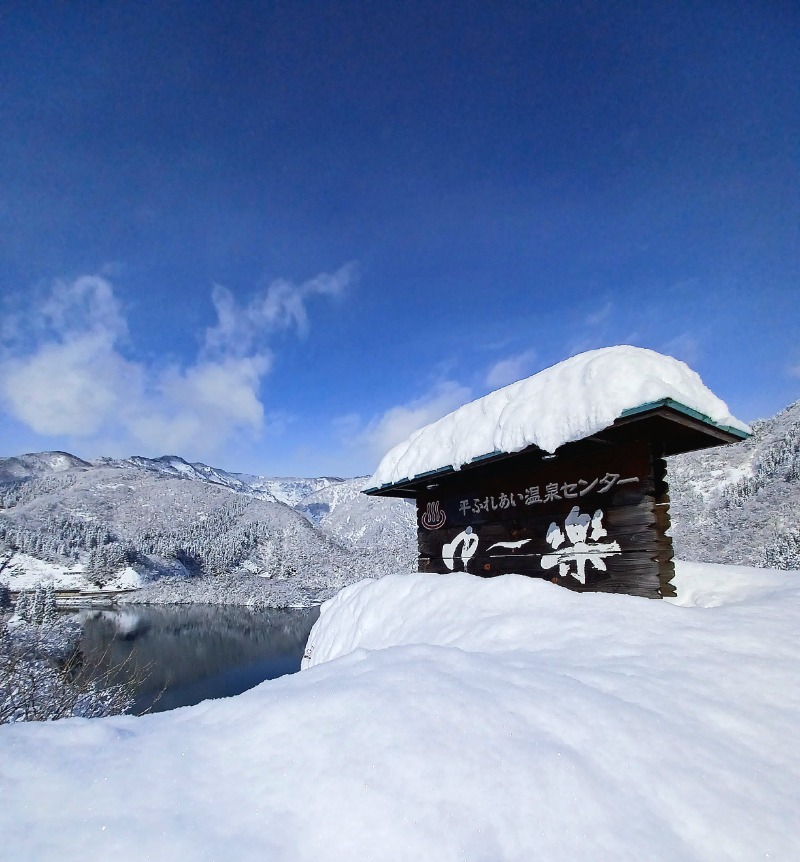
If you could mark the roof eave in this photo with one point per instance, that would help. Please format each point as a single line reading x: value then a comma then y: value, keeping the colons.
x: 738, y: 433
x: 715, y: 434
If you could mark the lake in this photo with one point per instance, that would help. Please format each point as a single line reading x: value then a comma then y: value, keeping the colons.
x: 179, y: 655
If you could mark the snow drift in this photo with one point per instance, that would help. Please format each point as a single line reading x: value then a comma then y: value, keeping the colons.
x: 451, y: 717
x: 569, y: 401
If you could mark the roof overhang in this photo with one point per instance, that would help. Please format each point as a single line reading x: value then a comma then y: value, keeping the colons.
x: 671, y: 427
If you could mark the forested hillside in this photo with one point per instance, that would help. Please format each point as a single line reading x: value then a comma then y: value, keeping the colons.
x: 175, y: 523
x: 741, y: 503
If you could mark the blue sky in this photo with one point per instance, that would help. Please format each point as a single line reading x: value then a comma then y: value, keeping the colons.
x: 277, y: 237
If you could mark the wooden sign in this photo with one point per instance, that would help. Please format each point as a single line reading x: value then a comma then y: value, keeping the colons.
x: 595, y: 523
x: 593, y: 515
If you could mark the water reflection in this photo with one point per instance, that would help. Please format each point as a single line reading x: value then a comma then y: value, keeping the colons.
x: 178, y: 655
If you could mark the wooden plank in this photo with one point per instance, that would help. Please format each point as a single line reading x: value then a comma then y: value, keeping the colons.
x: 591, y: 523
x: 515, y: 487
x: 666, y: 553
x: 534, y: 535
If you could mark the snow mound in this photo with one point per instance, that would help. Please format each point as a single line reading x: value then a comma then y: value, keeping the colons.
x: 569, y: 401
x: 711, y: 585
x: 448, y: 718
x: 514, y: 612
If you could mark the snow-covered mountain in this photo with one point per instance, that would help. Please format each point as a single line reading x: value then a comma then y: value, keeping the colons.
x: 342, y: 512
x: 288, y: 490
x: 176, y: 467
x: 741, y: 503
x: 165, y: 517
x: 30, y: 466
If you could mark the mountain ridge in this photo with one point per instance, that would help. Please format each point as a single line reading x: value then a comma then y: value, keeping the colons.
x: 170, y: 521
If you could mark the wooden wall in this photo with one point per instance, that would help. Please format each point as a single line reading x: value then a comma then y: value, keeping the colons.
x: 590, y: 522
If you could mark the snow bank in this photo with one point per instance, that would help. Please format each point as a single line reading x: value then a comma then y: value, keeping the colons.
x: 570, y: 401
x: 495, y: 614
x: 710, y: 585
x: 450, y: 717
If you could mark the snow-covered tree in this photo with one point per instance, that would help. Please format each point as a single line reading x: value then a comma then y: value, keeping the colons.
x: 50, y: 611
x: 37, y: 606
x: 22, y: 608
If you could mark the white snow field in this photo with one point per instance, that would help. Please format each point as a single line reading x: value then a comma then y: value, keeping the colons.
x: 455, y: 718
x: 568, y: 401
x: 26, y: 572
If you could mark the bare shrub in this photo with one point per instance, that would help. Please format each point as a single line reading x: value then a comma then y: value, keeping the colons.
x: 45, y: 676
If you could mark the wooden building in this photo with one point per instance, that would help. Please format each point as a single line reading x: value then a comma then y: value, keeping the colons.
x: 591, y: 516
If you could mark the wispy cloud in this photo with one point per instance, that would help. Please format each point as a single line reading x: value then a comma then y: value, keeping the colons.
x: 66, y: 372
x: 282, y: 306
x: 599, y: 316
x: 387, y: 429
x: 510, y: 369
x: 685, y: 347
x: 592, y: 329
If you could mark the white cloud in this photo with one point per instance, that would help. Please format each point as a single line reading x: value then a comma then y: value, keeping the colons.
x: 202, y: 406
x: 794, y: 370
x: 84, y: 306
x: 399, y: 422
x: 72, y: 387
x: 510, y: 369
x: 281, y: 306
x: 74, y: 382
x: 72, y: 378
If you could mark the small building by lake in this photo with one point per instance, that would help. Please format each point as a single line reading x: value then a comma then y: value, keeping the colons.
x: 562, y: 475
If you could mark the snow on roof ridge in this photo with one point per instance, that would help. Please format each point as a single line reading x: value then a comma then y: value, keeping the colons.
x: 563, y: 403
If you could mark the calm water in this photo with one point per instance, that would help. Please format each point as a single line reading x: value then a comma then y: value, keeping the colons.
x: 182, y: 654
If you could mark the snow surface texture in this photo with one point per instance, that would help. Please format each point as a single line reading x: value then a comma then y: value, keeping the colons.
x: 450, y: 717
x: 569, y: 401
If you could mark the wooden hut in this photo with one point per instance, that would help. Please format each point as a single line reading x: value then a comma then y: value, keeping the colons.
x: 590, y: 515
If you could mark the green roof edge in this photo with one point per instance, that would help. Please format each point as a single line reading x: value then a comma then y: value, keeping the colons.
x: 688, y: 411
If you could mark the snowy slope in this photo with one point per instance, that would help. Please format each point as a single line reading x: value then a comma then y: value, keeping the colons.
x: 454, y: 718
x: 741, y: 503
x: 289, y: 490
x: 343, y: 512
x: 22, y: 467
x: 176, y: 467
x: 385, y: 528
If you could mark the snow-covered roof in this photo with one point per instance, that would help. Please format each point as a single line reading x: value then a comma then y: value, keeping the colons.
x: 567, y: 402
